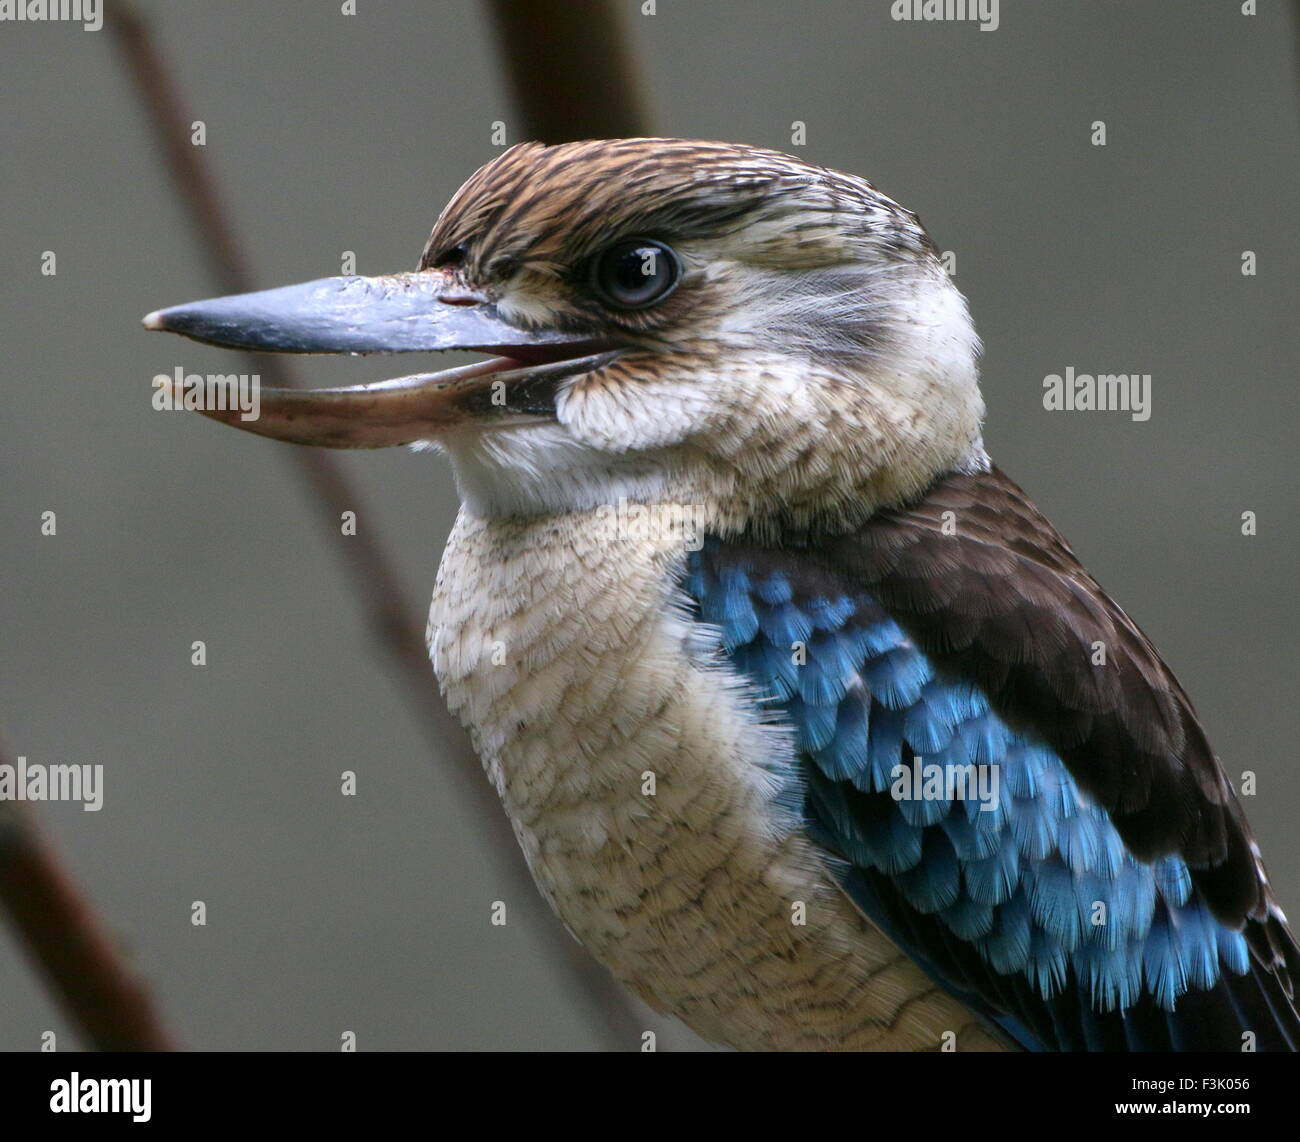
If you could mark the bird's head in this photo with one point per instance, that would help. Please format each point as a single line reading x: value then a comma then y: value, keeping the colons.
x: 666, y: 318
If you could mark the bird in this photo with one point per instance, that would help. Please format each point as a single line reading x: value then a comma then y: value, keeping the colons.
x: 812, y: 729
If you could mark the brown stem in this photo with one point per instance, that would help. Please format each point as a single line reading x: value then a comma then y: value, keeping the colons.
x: 69, y: 943
x: 571, y: 71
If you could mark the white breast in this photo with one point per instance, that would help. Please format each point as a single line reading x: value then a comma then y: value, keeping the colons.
x: 640, y: 782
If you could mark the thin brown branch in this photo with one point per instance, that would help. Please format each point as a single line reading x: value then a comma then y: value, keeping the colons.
x: 68, y: 943
x: 376, y: 584
x: 570, y: 69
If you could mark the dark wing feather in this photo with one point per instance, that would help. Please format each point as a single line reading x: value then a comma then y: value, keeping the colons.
x: 994, y: 594
x: 982, y: 595
x: 1014, y: 610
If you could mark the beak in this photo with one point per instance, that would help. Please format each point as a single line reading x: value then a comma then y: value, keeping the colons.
x: 397, y: 313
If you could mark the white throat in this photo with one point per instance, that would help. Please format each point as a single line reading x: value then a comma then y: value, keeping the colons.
x: 538, y: 469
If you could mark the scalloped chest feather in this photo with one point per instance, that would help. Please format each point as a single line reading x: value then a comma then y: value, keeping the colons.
x: 647, y: 794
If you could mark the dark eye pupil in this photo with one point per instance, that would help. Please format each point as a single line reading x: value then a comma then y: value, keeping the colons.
x: 636, y: 273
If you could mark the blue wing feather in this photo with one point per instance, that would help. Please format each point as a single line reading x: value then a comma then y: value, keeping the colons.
x: 1027, y: 905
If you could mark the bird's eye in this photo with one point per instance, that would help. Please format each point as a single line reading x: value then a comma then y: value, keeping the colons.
x: 635, y: 272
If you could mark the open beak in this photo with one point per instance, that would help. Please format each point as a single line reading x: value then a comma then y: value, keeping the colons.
x: 396, y: 313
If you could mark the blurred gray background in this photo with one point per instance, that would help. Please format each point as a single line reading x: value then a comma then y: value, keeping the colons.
x: 332, y: 133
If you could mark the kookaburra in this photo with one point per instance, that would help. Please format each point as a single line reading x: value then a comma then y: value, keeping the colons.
x: 812, y: 729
